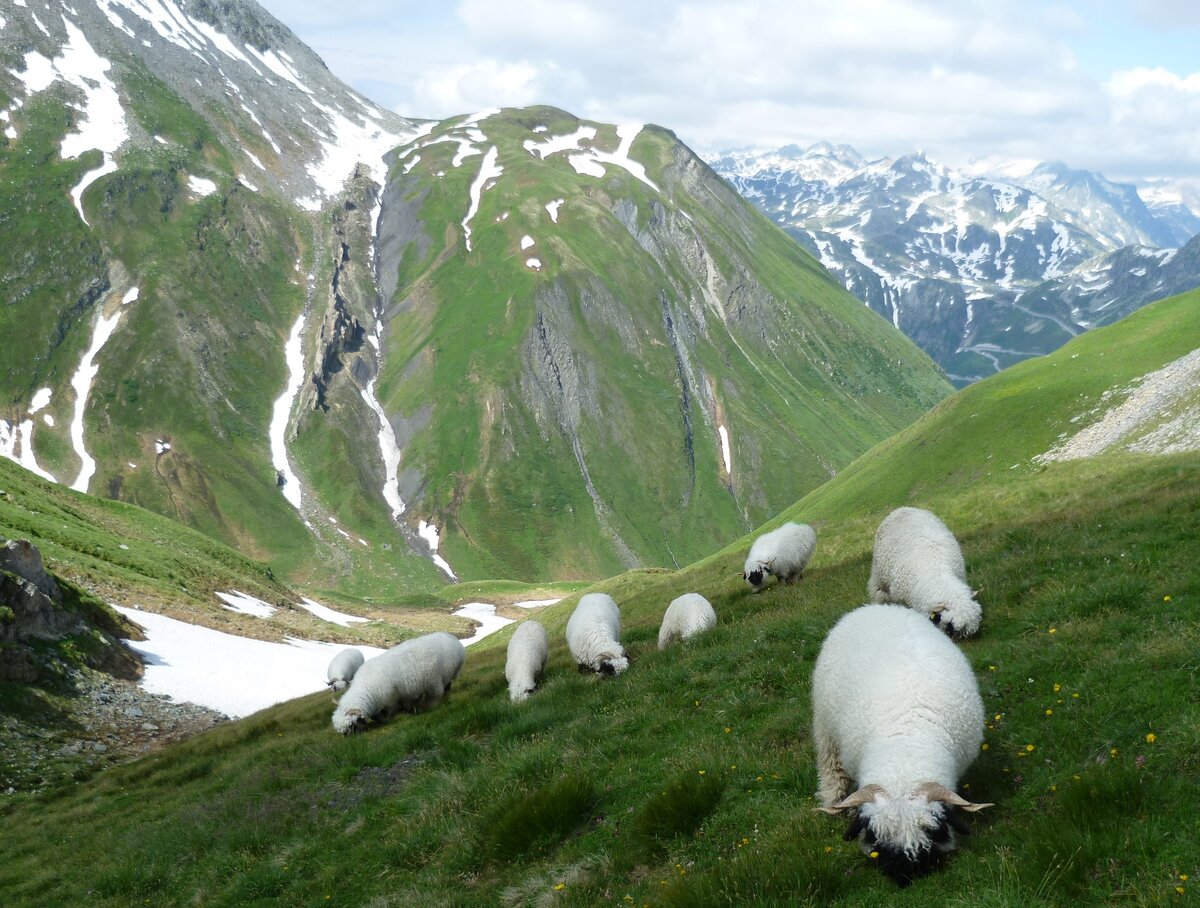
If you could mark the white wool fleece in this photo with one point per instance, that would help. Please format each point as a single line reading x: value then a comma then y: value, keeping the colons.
x: 594, y: 634
x: 343, y: 668
x: 895, y: 704
x: 917, y: 562
x: 687, y: 616
x: 784, y: 552
x: 527, y: 652
x: 412, y: 675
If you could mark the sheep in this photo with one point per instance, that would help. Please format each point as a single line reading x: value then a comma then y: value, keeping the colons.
x: 784, y: 552
x: 686, y: 617
x: 917, y: 562
x: 594, y: 633
x: 897, y: 711
x: 527, y: 652
x: 341, y: 670
x: 412, y: 675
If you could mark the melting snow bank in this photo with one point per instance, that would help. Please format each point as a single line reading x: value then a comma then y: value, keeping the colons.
x: 245, y: 604
x: 236, y: 675
x: 389, y: 450
x: 16, y: 443
x: 82, y: 383
x: 724, y: 433
x: 489, y: 170
x: 485, y: 614
x: 325, y: 613
x: 283, y: 409
x: 1157, y: 393
x: 536, y: 603
x: 429, y: 533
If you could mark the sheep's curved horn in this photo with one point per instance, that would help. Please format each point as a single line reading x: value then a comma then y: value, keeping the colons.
x: 936, y: 791
x: 864, y: 795
x: 975, y: 593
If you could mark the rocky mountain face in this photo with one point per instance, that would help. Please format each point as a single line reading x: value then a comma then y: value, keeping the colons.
x: 380, y: 352
x: 954, y: 260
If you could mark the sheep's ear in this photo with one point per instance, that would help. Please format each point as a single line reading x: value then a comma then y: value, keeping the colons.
x: 864, y: 795
x: 935, y: 791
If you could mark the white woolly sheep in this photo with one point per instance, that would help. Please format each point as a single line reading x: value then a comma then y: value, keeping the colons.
x: 411, y: 676
x: 918, y: 563
x: 527, y: 651
x: 897, y: 712
x: 689, y: 615
x: 594, y: 634
x: 341, y: 670
x: 784, y: 552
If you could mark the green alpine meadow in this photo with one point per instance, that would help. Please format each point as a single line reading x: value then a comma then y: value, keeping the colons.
x: 284, y: 373
x: 689, y: 779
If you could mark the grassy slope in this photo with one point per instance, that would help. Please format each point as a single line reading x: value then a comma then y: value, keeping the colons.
x: 507, y: 488
x: 688, y: 780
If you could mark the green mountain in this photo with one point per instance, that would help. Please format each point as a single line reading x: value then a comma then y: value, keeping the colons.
x: 688, y: 780
x: 225, y: 307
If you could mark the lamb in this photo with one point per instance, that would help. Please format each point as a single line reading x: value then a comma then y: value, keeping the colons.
x: 341, y: 670
x: 410, y: 676
x: 897, y: 711
x: 527, y: 652
x: 918, y: 563
x: 686, y: 617
x: 594, y: 633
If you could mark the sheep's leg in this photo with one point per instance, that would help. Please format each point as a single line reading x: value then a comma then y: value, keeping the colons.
x: 835, y: 782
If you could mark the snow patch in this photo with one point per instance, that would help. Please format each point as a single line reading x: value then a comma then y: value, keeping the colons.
x: 485, y: 614
x: 536, y: 603
x: 325, y: 613
x: 571, y: 142
x: 245, y: 604
x: 489, y: 170
x: 724, y: 433
x: 389, y: 450
x: 102, y: 123
x: 82, y: 383
x: 236, y: 675
x: 277, y: 433
x: 526, y: 242
x: 16, y: 443
x: 41, y: 398
x: 535, y: 264
x: 429, y: 533
x: 201, y: 186
x: 552, y: 209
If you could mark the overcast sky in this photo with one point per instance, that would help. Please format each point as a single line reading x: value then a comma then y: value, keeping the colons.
x: 1100, y: 84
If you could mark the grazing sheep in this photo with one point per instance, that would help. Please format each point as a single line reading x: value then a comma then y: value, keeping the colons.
x: 527, y: 651
x: 594, y: 633
x: 689, y: 615
x: 897, y: 712
x: 783, y: 552
x: 341, y: 670
x: 918, y: 563
x: 413, y: 675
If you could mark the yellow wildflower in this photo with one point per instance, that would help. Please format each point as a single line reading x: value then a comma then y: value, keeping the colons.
x: 1049, y: 712
x: 1166, y: 598
x: 1029, y: 748
x: 1151, y: 738
x: 874, y: 855
x: 1057, y: 687
x: 983, y: 746
x: 560, y: 887
x: 1114, y: 752
x: 1054, y: 630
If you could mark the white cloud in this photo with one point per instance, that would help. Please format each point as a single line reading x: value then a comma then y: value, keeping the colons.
x: 961, y: 80
x: 464, y: 87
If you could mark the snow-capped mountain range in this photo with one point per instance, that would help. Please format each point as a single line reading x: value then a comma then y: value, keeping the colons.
x: 957, y: 261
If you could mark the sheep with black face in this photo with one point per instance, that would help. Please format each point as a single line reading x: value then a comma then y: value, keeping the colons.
x: 594, y: 635
x: 897, y: 713
x: 784, y: 552
x: 917, y: 562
